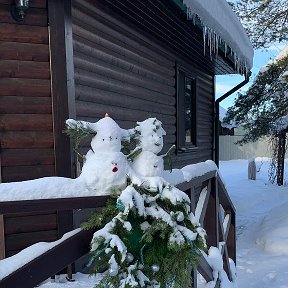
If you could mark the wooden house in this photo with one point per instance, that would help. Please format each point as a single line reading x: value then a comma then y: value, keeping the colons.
x: 82, y: 58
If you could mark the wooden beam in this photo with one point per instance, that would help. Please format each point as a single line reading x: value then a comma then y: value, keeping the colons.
x: 205, y: 269
x: 62, y: 73
x: 2, y: 230
x: 50, y: 262
x: 211, y: 217
x: 50, y: 204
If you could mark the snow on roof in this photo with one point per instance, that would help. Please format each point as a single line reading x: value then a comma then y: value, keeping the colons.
x: 222, y: 25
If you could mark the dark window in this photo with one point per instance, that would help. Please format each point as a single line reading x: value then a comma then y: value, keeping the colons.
x: 186, y: 110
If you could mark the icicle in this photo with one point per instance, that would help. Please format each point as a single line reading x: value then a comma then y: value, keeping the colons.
x: 204, y: 38
x: 194, y: 18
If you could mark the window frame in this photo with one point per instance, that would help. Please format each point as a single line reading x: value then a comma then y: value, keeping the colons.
x: 181, y: 75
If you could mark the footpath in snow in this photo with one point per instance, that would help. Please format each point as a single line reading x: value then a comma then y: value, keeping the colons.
x: 262, y: 225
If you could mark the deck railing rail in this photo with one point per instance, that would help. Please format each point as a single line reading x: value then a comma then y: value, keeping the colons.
x: 209, y: 201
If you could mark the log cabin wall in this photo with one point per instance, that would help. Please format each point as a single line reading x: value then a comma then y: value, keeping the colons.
x: 26, y: 120
x: 27, y: 148
x: 126, y: 71
x: 116, y: 72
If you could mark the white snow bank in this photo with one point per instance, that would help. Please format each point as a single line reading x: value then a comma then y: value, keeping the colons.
x: 273, y: 232
x: 60, y: 187
x: 44, y: 188
x: 11, y: 264
x: 199, y: 169
x: 81, y: 281
x: 215, y: 260
x: 221, y: 21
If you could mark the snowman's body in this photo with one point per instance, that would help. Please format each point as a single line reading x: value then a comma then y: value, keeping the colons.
x: 148, y: 163
x: 102, y: 172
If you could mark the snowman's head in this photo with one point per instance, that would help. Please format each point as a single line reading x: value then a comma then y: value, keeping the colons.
x: 109, y: 135
x: 151, y: 135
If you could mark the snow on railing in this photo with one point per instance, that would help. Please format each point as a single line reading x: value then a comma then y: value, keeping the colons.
x: 209, y: 199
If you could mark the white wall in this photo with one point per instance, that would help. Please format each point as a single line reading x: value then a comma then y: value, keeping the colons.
x: 228, y: 150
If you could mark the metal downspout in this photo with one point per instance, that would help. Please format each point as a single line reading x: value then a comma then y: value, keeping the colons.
x: 217, y: 116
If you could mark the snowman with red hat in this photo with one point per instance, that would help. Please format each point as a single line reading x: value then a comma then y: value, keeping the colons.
x: 105, y: 167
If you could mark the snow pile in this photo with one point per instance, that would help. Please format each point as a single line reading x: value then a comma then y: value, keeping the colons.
x: 273, y: 232
x: 199, y: 169
x: 11, y: 264
x: 215, y: 260
x: 44, y: 188
x: 221, y: 23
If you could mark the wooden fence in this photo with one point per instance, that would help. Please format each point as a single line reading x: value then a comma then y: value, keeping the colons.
x: 228, y: 150
x: 209, y: 201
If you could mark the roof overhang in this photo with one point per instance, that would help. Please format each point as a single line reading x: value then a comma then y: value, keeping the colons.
x: 222, y: 30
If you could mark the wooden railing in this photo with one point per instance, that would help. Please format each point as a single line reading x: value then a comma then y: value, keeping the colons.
x: 209, y: 201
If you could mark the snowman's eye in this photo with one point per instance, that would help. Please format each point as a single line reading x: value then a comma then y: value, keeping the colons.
x: 116, y: 138
x: 103, y: 139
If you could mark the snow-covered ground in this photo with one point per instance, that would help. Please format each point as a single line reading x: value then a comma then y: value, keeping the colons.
x: 262, y: 229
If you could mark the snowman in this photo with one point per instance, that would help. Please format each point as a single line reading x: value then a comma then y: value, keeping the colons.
x: 148, y: 163
x: 150, y: 137
x: 105, y: 167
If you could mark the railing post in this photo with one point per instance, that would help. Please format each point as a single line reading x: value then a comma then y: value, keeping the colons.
x: 193, y: 207
x: 2, y: 227
x: 211, y: 218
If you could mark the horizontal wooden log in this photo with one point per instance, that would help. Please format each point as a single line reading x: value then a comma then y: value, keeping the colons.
x: 27, y: 224
x: 109, y: 81
x: 91, y: 109
x: 23, y: 240
x: 24, y: 69
x: 81, y: 78
x: 92, y: 94
x: 45, y: 212
x: 23, y: 33
x: 100, y: 68
x: 32, y: 3
x: 25, y: 105
x: 117, y: 41
x: 21, y: 173
x: 118, y: 48
x: 27, y: 157
x: 50, y: 262
x: 24, y: 87
x: 24, y: 51
x: 48, y: 204
x: 95, y: 51
x: 26, y: 122
x: 88, y: 94
x: 35, y: 16
x: 20, y: 139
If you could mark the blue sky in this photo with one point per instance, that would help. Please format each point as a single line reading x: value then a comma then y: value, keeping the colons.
x: 226, y: 82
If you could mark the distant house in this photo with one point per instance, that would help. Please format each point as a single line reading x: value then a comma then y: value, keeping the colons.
x: 133, y: 59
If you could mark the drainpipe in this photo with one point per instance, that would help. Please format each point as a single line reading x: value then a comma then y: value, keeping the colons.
x: 217, y: 104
